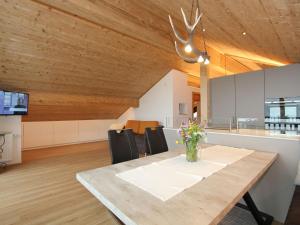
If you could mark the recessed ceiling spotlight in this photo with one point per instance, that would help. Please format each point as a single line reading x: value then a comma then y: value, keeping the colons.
x: 244, y: 33
x: 203, y: 29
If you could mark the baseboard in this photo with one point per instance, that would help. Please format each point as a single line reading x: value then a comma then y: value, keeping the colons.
x: 64, y: 144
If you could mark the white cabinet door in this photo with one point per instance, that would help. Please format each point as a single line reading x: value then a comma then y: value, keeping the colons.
x: 283, y: 81
x: 37, y: 134
x: 222, y: 98
x: 65, y: 132
x: 250, y: 96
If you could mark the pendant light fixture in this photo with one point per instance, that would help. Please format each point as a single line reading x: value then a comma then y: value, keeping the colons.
x: 188, y: 48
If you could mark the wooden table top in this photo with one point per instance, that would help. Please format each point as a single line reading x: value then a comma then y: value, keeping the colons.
x: 206, y: 202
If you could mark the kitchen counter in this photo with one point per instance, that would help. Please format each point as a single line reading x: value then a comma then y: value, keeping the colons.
x: 291, y: 135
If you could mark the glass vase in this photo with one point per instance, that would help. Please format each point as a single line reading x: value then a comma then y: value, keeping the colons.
x: 191, y: 151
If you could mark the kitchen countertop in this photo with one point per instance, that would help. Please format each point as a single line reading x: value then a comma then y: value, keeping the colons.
x: 259, y: 133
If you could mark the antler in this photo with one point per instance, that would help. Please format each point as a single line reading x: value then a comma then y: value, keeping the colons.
x: 190, y: 28
x: 185, y: 58
x: 177, y: 35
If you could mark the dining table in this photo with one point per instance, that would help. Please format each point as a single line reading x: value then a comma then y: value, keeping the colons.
x: 166, y: 189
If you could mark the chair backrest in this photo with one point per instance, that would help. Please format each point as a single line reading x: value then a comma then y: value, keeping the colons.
x: 122, y: 146
x: 155, y: 140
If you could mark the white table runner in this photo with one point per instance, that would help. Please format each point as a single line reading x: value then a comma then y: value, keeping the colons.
x: 167, y: 178
x: 224, y: 154
x: 163, y: 183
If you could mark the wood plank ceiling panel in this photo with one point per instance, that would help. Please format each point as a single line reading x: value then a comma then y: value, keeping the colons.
x: 284, y: 15
x: 269, y: 24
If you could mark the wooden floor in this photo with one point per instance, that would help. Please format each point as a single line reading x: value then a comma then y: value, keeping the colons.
x: 43, y: 190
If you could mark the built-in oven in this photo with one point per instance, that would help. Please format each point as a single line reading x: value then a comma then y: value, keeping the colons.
x: 283, y: 115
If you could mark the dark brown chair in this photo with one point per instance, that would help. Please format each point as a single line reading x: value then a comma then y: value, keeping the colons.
x: 122, y: 146
x: 155, y: 140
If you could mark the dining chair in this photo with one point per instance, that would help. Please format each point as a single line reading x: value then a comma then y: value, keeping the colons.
x: 122, y: 146
x: 155, y: 140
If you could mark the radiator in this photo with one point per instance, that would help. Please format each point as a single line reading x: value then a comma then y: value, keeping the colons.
x: 6, y: 155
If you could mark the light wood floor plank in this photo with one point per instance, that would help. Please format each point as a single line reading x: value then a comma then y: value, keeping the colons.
x: 43, y: 190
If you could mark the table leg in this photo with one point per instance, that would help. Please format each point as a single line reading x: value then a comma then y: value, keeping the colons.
x: 260, y: 217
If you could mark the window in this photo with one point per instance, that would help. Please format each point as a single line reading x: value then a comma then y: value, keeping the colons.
x: 291, y: 111
x: 274, y: 112
x: 7, y: 99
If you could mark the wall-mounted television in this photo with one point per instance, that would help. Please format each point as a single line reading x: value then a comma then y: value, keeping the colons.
x: 13, y: 103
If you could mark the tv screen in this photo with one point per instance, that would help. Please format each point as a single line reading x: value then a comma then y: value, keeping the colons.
x: 13, y: 103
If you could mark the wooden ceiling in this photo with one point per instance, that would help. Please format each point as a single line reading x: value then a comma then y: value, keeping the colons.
x: 272, y: 28
x: 106, y: 54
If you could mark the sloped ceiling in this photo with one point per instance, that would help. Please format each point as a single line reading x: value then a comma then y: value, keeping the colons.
x: 272, y: 27
x: 90, y: 59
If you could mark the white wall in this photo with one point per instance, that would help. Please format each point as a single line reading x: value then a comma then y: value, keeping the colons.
x: 157, y: 103
x: 128, y: 115
x: 161, y: 102
x: 182, y: 93
x: 53, y: 133
x: 13, y: 124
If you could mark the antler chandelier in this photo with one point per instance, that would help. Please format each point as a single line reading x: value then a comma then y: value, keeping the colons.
x: 189, y: 47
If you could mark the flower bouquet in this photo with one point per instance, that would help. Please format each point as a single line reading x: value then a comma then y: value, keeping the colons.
x: 191, y: 135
